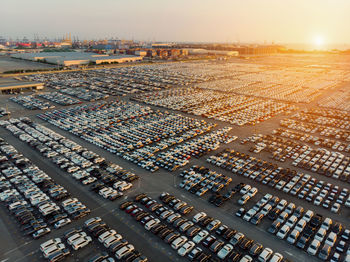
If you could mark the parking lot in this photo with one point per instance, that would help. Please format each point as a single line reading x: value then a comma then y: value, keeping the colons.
x: 160, y: 160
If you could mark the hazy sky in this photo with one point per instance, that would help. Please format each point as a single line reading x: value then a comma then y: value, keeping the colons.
x: 282, y: 21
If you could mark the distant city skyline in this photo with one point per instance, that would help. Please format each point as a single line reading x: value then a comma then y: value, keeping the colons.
x: 318, y: 22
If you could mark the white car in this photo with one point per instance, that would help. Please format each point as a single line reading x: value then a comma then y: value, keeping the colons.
x: 293, y: 236
x: 111, y: 240
x: 75, y: 237
x: 282, y: 204
x: 266, y: 198
x: 327, y: 222
x: 252, y: 192
x: 277, y: 257
x: 53, y: 249
x: 300, y: 225
x: 123, y: 186
x: 49, y: 243
x: 201, y: 235
x: 178, y: 242
x: 224, y: 251
x: 62, y: 223
x: 331, y: 239
x: 291, y: 221
x: 81, y: 242
x: 335, y: 208
x: 265, y: 255
x: 106, y: 235
x: 266, y: 209
x: 314, y: 246
x: 150, y: 224
x: 172, y: 217
x: 92, y: 221
x: 246, y: 258
x: 308, y: 215
x: 125, y: 250
x: 283, y: 232
x: 289, y: 209
x: 321, y: 233
x: 245, y: 189
x: 198, y: 217
x: 186, y: 248
x: 250, y: 213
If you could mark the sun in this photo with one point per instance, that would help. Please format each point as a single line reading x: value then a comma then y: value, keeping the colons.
x: 319, y: 41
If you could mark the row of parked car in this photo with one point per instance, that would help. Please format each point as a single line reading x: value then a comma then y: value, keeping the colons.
x: 123, y: 80
x: 84, y: 93
x: 307, y: 230
x: 99, y: 123
x: 289, y: 181
x: 230, y: 107
x: 319, y: 160
x: 312, y: 128
x: 60, y: 98
x: 199, y: 180
x: 201, y: 238
x: 84, y: 165
x: 32, y: 197
x: 74, y: 239
x: 315, y: 140
x: 143, y: 133
x: 325, y: 117
x: 31, y: 102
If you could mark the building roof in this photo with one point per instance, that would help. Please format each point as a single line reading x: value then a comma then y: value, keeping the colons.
x: 7, y: 83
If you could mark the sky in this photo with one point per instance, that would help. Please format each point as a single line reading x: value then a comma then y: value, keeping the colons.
x: 259, y: 21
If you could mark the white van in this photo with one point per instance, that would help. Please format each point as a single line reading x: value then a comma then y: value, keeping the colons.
x: 106, y: 235
x: 53, y: 249
x: 112, y: 239
x: 75, y: 237
x: 81, y: 242
x: 124, y: 251
x: 91, y: 221
x: 69, y: 201
x: 49, y: 243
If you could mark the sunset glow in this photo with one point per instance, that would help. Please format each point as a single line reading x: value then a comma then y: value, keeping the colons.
x: 319, y: 41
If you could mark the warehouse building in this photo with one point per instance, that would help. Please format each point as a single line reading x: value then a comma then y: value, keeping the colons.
x: 10, y: 85
x: 76, y: 58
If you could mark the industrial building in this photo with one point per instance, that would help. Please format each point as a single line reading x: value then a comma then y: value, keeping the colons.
x: 201, y: 51
x: 76, y: 58
x: 11, y: 85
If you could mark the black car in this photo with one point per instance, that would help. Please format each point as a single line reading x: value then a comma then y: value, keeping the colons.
x: 203, y: 257
x: 124, y: 205
x: 209, y: 240
x: 229, y: 195
x: 140, y: 196
x: 221, y: 230
x: 273, y: 214
x: 213, y: 198
x: 219, y: 201
x: 316, y: 221
x: 303, y: 242
x: 229, y: 233
x: 156, y: 229
x: 204, y: 222
x: 170, y: 237
x: 246, y: 243
x: 240, y: 212
x: 274, y: 227
x: 164, y: 232
x: 99, y: 257
x: 255, y: 249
